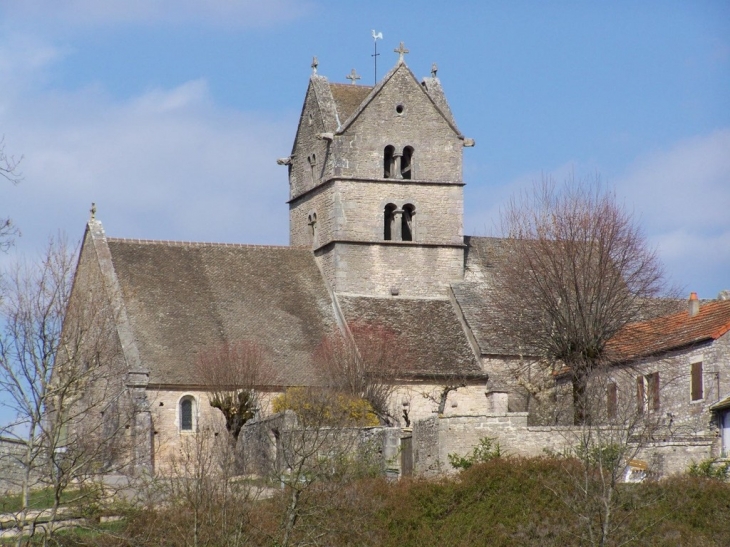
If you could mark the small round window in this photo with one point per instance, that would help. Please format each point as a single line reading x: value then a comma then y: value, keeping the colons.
x: 399, y: 109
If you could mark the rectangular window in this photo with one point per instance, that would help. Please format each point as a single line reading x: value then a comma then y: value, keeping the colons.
x: 611, y: 400
x: 652, y: 383
x: 696, y: 381
x: 640, y: 395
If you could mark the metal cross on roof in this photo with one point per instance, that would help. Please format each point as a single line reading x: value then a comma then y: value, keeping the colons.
x: 93, y: 211
x: 401, y: 51
x: 352, y: 76
x: 434, y: 70
x: 315, y: 64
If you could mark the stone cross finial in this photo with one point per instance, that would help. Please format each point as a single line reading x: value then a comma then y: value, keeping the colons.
x: 434, y: 70
x: 93, y: 211
x: 352, y: 76
x: 401, y: 51
x: 315, y: 64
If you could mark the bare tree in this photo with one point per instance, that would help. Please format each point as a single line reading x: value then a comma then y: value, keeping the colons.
x: 577, y: 269
x: 68, y: 403
x: 205, y: 503
x: 315, y: 452
x: 603, y: 454
x: 230, y: 374
x: 9, y: 171
x: 364, y: 365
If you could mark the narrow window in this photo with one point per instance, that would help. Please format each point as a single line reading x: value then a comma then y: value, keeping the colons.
x: 312, y: 164
x: 409, y: 211
x: 388, y: 220
x: 388, y: 162
x: 696, y: 381
x: 406, y: 163
x: 652, y: 382
x: 611, y: 400
x: 186, y: 414
x: 640, y: 395
x: 312, y: 222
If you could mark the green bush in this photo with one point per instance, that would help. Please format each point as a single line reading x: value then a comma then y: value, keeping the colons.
x: 709, y: 469
x: 486, y: 450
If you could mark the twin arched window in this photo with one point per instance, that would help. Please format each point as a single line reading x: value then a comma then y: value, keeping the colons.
x: 397, y: 165
x: 398, y: 224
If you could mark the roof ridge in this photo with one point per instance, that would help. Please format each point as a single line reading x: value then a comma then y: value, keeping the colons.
x: 177, y: 243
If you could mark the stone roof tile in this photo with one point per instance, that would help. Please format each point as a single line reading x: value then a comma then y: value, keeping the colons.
x: 437, y: 345
x: 348, y: 98
x: 182, y: 298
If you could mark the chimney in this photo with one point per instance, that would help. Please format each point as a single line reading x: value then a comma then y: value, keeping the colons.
x: 694, y: 304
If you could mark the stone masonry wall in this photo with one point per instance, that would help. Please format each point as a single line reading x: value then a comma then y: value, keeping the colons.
x: 437, y: 148
x: 371, y: 270
x: 437, y: 437
x: 302, y: 174
x: 354, y: 210
x: 11, y: 468
x: 678, y: 416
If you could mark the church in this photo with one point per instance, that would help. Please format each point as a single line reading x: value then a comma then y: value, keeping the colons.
x: 376, y: 199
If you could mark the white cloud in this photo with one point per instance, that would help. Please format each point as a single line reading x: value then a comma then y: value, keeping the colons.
x: 169, y: 164
x: 230, y: 13
x: 682, y: 197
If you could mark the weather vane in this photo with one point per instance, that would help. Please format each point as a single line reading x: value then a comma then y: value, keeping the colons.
x: 376, y: 37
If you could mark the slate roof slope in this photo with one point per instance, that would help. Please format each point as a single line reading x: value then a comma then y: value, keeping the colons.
x: 348, y: 98
x: 477, y: 297
x: 435, y: 340
x: 671, y: 332
x: 184, y: 297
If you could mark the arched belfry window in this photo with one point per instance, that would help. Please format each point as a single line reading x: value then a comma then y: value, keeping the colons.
x: 389, y: 162
x: 407, y: 222
x: 187, y: 413
x: 406, y: 163
x: 389, y: 222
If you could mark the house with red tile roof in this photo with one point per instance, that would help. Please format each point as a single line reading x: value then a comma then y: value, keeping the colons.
x: 676, y: 370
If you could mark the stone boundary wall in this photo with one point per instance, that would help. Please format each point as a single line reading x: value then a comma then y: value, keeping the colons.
x: 263, y: 444
x: 437, y: 437
x: 11, y: 469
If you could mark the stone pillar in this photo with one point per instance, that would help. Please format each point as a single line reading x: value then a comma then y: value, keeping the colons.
x: 397, y: 228
x: 397, y: 157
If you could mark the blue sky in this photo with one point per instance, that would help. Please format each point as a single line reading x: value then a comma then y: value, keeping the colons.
x: 170, y: 114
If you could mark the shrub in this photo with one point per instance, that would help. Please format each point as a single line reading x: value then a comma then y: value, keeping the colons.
x: 486, y: 450
x: 709, y: 469
x: 323, y: 407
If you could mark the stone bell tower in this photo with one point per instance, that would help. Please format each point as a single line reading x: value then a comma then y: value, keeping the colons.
x: 376, y: 184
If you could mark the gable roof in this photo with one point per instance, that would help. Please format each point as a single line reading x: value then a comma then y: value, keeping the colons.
x: 477, y: 298
x: 182, y: 298
x: 374, y: 91
x: 671, y: 332
x: 348, y: 98
x: 435, y: 340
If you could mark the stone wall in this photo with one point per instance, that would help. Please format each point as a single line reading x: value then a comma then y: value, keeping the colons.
x: 437, y: 147
x: 354, y: 211
x: 677, y: 414
x: 372, y: 269
x: 272, y: 445
x: 11, y: 468
x: 437, y: 437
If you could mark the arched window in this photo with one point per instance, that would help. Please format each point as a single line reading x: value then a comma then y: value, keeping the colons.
x: 389, y: 221
x: 187, y: 413
x: 406, y: 163
x: 389, y: 162
x: 407, y: 221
